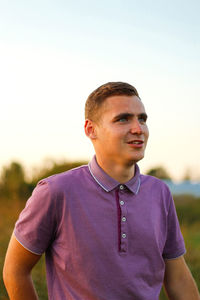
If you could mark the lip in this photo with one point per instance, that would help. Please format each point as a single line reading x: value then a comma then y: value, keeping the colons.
x: 136, y: 143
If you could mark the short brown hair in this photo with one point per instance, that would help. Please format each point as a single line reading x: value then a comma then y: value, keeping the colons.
x: 98, y: 96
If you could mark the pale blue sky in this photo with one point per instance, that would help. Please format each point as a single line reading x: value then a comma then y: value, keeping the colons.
x: 54, y: 53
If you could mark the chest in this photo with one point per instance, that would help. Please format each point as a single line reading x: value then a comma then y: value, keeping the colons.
x: 120, y: 223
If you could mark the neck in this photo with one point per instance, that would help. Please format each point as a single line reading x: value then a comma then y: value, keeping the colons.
x: 121, y: 173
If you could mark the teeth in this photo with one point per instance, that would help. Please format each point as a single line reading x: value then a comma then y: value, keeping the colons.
x: 136, y: 142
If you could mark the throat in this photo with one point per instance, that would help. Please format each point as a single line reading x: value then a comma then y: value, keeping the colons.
x: 124, y: 175
x: 121, y: 173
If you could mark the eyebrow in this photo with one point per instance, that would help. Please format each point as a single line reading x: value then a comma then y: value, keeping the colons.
x: 128, y: 115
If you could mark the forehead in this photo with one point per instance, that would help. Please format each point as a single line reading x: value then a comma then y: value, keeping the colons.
x: 119, y: 104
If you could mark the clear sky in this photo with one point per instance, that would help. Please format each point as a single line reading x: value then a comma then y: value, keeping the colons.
x: 54, y: 53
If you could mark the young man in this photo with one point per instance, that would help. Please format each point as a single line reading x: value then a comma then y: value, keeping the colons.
x: 108, y: 232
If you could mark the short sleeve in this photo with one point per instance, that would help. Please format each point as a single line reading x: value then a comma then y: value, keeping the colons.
x: 174, y: 246
x: 36, y: 225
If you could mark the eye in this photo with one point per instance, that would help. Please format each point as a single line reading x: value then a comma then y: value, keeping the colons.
x: 142, y: 119
x: 123, y: 120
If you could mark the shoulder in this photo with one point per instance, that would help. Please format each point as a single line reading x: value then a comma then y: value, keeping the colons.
x: 156, y: 189
x: 152, y: 181
x: 70, y: 178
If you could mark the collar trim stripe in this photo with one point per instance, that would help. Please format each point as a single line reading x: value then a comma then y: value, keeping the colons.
x: 139, y: 182
x: 97, y: 179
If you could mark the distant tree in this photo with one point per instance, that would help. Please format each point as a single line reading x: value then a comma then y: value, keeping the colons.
x: 13, y: 183
x: 187, y: 176
x: 14, y: 186
x: 159, y: 172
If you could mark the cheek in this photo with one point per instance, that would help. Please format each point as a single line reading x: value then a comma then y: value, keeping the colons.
x: 146, y: 132
x: 114, y: 133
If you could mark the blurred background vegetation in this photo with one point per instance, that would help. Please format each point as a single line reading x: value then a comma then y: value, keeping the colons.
x: 15, y: 189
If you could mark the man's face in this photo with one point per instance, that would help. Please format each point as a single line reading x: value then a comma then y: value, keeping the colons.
x: 121, y: 132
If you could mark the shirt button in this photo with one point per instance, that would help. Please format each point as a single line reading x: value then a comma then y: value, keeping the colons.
x: 124, y: 219
x: 124, y: 235
x: 121, y: 202
x: 121, y: 187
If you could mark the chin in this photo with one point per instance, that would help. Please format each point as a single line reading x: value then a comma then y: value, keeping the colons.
x: 135, y: 159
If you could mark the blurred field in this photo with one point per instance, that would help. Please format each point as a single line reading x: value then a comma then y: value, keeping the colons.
x: 188, y: 209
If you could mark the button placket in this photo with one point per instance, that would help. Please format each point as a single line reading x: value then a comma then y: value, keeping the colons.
x: 123, y: 223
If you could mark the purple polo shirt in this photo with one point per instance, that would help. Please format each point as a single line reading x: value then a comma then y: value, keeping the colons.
x: 102, y: 240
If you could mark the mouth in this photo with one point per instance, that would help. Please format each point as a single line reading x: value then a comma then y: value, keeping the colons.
x: 136, y: 143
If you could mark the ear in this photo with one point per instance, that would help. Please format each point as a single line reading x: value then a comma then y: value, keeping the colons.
x: 90, y: 129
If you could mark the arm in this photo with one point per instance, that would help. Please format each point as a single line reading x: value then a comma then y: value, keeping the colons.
x: 17, y: 271
x: 179, y: 283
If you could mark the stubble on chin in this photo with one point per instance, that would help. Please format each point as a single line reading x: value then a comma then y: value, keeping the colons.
x: 132, y: 161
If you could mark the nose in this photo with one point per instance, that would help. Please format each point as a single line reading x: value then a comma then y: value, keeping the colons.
x: 136, y: 127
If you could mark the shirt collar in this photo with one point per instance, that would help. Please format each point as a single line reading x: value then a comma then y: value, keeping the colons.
x: 108, y: 183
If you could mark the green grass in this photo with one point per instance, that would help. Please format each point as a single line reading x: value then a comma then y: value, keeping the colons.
x: 188, y: 210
